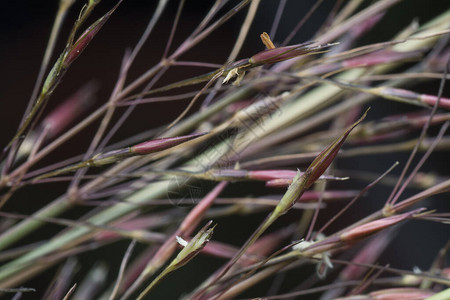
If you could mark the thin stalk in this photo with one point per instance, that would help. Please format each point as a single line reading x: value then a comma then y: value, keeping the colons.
x: 64, y: 6
x: 123, y: 265
x: 393, y: 197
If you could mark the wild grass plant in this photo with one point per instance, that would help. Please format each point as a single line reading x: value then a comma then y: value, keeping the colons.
x: 240, y: 193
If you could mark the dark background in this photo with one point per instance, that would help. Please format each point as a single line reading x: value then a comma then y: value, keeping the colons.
x: 23, y: 37
x: 27, y: 24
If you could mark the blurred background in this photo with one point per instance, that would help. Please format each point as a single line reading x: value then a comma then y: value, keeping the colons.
x: 24, y: 31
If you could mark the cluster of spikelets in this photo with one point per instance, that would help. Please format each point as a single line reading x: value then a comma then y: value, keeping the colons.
x: 252, y: 126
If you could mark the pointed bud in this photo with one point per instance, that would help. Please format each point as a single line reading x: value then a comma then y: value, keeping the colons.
x: 301, y: 182
x: 324, y: 159
x: 431, y: 100
x: 144, y: 148
x: 161, y: 144
x: 113, y: 156
x: 69, y: 110
x: 275, y: 55
x: 409, y: 96
x: 370, y: 228
x: 77, y: 48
